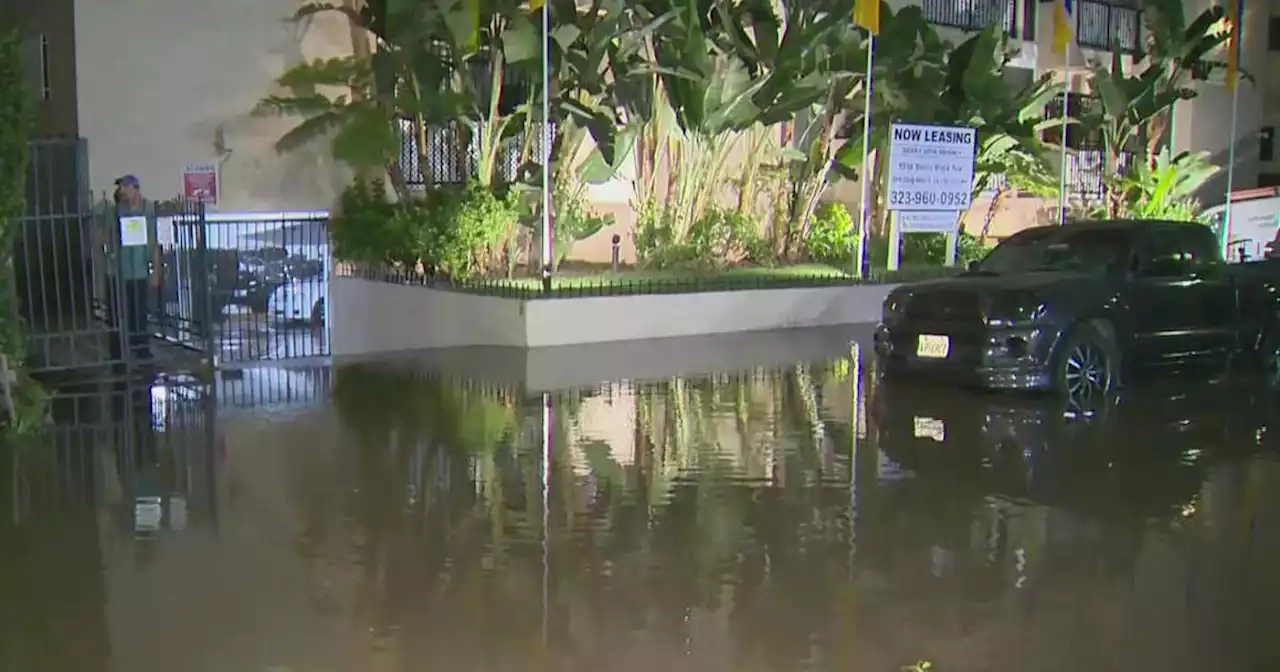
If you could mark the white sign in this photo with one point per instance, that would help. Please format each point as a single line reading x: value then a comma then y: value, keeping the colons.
x: 133, y: 231
x: 928, y: 221
x: 931, y: 167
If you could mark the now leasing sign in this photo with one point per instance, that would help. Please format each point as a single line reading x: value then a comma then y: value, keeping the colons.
x: 931, y: 167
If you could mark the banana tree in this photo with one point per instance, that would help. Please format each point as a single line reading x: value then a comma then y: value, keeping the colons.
x: 1126, y: 105
x: 1167, y: 188
x: 1180, y: 51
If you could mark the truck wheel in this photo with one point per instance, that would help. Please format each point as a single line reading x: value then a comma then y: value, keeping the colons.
x: 1086, y: 364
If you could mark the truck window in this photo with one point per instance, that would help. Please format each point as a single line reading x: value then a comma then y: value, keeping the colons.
x: 1199, y: 245
x: 1065, y: 249
x: 1161, y: 255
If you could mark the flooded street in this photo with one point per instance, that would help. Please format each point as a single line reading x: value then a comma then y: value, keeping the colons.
x: 798, y: 518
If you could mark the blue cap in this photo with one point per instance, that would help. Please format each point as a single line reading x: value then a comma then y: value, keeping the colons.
x: 129, y: 181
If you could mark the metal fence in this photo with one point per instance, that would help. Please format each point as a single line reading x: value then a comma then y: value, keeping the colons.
x: 1086, y: 172
x: 233, y: 287
x: 972, y: 15
x: 1102, y: 25
x: 270, y: 387
x: 150, y: 441
x: 639, y: 283
x: 61, y: 264
x: 450, y: 159
x: 265, y: 277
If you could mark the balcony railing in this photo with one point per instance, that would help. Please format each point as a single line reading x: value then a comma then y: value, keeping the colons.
x: 1100, y: 25
x: 972, y: 15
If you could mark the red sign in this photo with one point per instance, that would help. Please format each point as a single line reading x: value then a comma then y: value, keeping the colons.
x: 200, y: 183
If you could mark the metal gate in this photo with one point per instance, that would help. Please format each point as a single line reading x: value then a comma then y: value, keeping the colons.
x: 60, y: 262
x: 235, y: 288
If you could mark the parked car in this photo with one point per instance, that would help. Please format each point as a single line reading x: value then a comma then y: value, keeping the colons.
x: 298, y: 301
x: 1080, y: 307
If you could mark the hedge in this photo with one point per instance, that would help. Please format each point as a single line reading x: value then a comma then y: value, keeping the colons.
x: 15, y: 128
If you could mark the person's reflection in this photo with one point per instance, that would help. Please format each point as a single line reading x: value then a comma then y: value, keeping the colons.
x: 140, y: 460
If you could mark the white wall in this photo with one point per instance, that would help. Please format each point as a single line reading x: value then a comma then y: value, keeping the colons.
x: 624, y: 318
x: 158, y: 79
x: 369, y: 317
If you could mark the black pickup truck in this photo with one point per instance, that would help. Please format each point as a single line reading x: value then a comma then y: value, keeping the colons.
x: 1075, y: 309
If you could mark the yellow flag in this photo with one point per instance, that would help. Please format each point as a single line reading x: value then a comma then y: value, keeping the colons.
x: 866, y: 14
x: 535, y: 5
x: 1235, y: 17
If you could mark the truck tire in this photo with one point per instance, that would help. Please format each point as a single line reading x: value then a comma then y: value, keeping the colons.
x: 1085, y: 364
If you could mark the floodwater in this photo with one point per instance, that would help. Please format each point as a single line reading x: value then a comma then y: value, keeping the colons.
x: 798, y: 519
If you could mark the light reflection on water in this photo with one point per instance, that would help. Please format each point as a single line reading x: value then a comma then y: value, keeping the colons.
x: 767, y: 520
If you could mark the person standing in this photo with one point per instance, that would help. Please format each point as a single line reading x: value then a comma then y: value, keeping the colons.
x: 138, y: 268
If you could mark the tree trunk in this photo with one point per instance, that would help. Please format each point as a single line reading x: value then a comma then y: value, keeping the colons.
x: 992, y: 211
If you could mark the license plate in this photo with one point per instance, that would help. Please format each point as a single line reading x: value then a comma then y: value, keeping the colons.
x: 933, y: 347
x: 929, y: 428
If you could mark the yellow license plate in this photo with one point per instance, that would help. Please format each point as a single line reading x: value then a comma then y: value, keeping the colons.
x: 933, y: 347
x: 929, y: 428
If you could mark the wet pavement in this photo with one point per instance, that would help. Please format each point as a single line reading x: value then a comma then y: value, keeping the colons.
x: 805, y: 517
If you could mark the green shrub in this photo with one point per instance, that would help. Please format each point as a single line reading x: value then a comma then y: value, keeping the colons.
x: 15, y: 124
x: 923, y: 249
x: 574, y: 221
x: 452, y: 231
x: 718, y: 238
x: 833, y: 237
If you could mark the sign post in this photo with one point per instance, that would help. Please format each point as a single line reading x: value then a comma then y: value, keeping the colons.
x: 930, y: 181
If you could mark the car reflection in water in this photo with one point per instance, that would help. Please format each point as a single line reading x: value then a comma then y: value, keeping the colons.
x: 1098, y: 454
x: 994, y: 481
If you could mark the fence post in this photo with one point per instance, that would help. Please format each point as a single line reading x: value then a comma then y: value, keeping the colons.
x: 202, y: 283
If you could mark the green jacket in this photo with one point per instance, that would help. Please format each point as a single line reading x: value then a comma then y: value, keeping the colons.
x: 130, y: 235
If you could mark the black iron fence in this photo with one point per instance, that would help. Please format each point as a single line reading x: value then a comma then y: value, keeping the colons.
x: 449, y: 158
x: 1103, y: 25
x: 259, y: 387
x: 265, y: 274
x: 975, y: 15
x: 232, y: 287
x: 146, y: 444
x: 1087, y: 172
x: 639, y: 282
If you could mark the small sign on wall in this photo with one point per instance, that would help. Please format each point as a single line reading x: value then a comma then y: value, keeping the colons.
x: 200, y: 183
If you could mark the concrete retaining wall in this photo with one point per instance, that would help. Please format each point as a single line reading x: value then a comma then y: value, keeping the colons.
x: 368, y: 317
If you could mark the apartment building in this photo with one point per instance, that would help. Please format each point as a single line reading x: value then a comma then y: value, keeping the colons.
x: 155, y: 87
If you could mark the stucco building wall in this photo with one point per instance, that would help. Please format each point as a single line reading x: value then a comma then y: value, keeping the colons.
x: 164, y: 85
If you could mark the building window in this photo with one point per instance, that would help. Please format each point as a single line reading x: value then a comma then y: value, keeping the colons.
x: 35, y: 61
x: 1273, y: 34
x: 1267, y: 143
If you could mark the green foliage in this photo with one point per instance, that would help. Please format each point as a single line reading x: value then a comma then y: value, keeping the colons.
x: 720, y: 238
x: 15, y: 124
x: 574, y: 220
x: 453, y: 232
x: 833, y: 237
x: 927, y: 249
x: 1165, y: 190
x: 1133, y: 108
